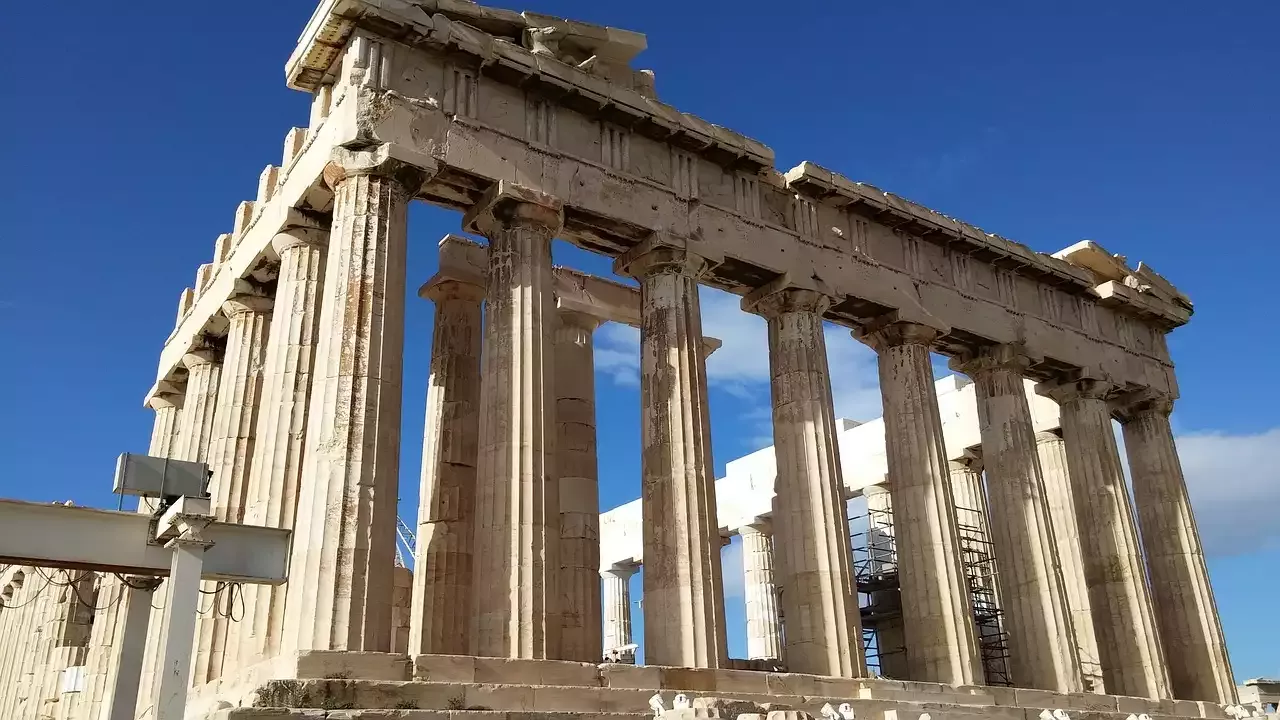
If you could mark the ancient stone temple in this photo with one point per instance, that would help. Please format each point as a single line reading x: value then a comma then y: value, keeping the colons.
x: 285, y: 366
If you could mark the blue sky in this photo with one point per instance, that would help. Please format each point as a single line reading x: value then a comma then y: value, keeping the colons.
x: 131, y: 131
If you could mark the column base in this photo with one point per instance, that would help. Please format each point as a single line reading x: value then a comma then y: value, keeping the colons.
x: 436, y: 687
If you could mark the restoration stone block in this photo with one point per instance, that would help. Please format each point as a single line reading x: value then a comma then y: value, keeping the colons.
x: 445, y: 668
x: 352, y: 665
x: 630, y: 676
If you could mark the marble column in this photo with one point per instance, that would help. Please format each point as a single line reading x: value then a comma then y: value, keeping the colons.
x: 231, y: 449
x: 764, y: 625
x: 204, y: 374
x: 517, y: 519
x: 440, y: 617
x: 683, y: 596
x: 287, y: 376
x: 165, y: 426
x: 824, y: 632
x: 1185, y: 610
x: 578, y: 480
x: 1042, y: 654
x: 937, y: 613
x: 617, y: 609
x: 344, y: 533
x: 1066, y: 534
x: 1123, y: 619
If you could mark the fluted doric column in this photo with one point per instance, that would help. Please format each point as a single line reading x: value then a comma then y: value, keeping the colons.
x: 1066, y: 534
x: 824, y: 633
x: 440, y: 616
x: 1123, y: 620
x: 204, y: 374
x: 937, y: 613
x: 230, y: 453
x: 617, y: 611
x: 1042, y: 653
x: 578, y: 479
x: 344, y: 533
x: 683, y: 598
x: 276, y: 470
x: 764, y: 624
x: 1185, y: 610
x: 517, y: 519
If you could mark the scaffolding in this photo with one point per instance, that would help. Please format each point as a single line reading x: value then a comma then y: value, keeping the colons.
x: 875, y: 565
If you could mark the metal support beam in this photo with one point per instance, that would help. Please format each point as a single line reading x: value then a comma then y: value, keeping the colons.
x: 79, y: 538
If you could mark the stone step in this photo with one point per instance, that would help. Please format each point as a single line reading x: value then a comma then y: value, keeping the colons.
x: 334, y: 694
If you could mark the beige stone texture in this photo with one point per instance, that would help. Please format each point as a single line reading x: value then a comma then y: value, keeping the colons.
x: 616, y: 601
x: 344, y: 534
x: 824, y: 635
x: 937, y: 614
x: 231, y: 451
x: 517, y: 534
x: 1123, y: 620
x: 1066, y: 532
x: 401, y: 607
x: 287, y: 374
x: 683, y: 597
x: 1185, y: 610
x: 199, y: 404
x: 577, y: 476
x: 764, y: 624
x: 440, y: 621
x: 1036, y: 620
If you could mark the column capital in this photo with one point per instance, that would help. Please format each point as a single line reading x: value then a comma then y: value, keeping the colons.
x: 883, y: 335
x: 449, y: 285
x: 381, y: 161
x: 663, y: 255
x: 1135, y: 404
x: 166, y: 398
x: 782, y: 295
x: 1048, y: 436
x: 1081, y: 386
x: 202, y: 354
x: 247, y: 297
x: 971, y: 461
x: 1009, y: 356
x: 621, y: 571
x: 314, y: 236
x: 508, y: 204
x: 575, y: 327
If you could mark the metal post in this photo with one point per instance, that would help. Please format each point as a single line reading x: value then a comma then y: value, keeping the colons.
x: 121, y: 695
x: 178, y: 631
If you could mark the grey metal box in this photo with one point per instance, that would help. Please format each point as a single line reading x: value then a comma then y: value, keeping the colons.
x: 159, y: 477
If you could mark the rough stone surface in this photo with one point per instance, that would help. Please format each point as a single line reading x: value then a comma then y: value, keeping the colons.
x: 440, y: 621
x: 287, y: 378
x: 941, y: 641
x: 684, y: 602
x: 1066, y: 532
x: 516, y: 601
x: 1123, y: 620
x: 1042, y: 653
x: 579, y: 492
x: 764, y: 624
x: 1186, y: 613
x: 823, y: 632
x: 344, y: 533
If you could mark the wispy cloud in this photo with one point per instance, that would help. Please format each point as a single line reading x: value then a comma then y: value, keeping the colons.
x: 1234, y: 482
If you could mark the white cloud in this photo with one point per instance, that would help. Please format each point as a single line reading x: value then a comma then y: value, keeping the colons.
x: 618, y: 353
x: 1234, y: 482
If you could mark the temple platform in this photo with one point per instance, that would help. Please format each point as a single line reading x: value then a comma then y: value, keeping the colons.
x: 359, y: 686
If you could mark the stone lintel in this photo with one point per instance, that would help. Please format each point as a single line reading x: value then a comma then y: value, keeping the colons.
x: 502, y: 202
